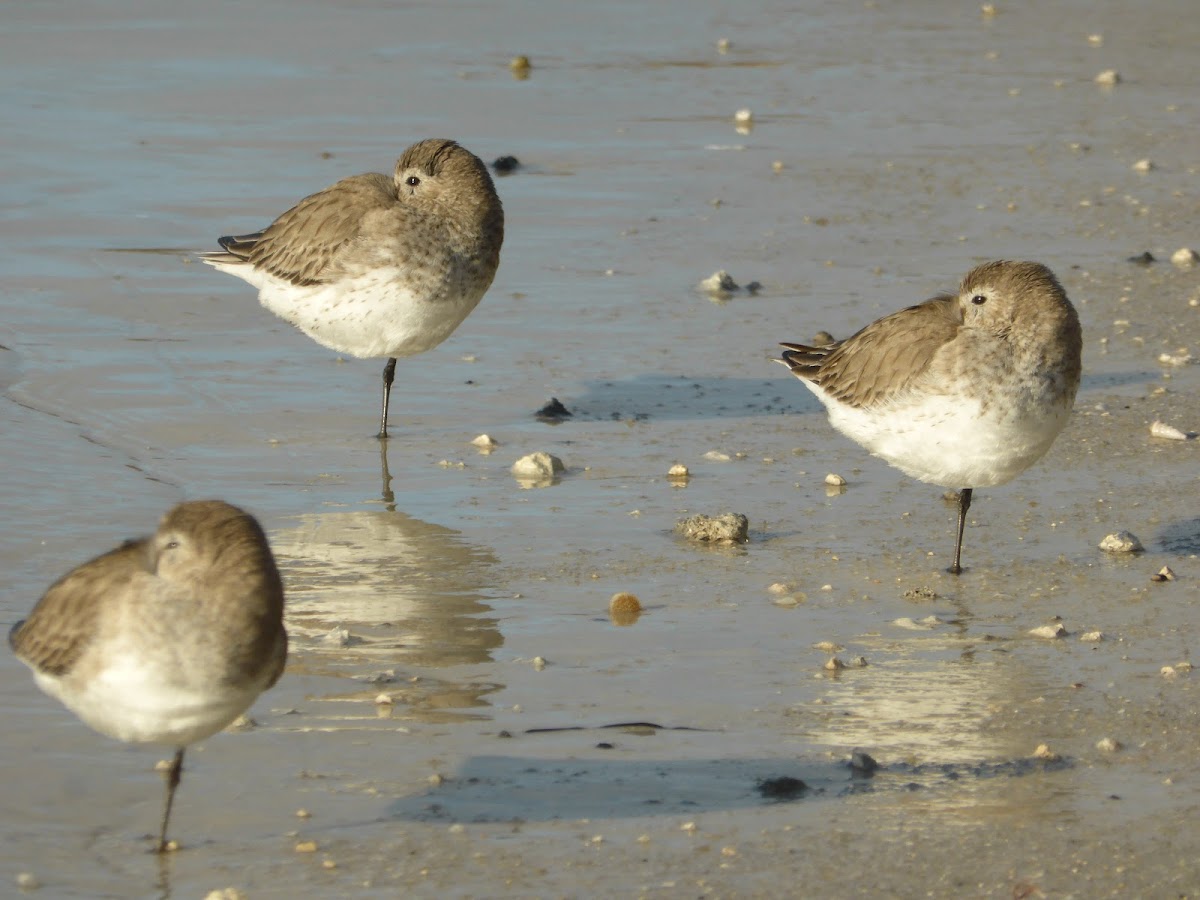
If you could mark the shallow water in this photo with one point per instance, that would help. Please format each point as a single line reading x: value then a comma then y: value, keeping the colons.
x: 915, y: 141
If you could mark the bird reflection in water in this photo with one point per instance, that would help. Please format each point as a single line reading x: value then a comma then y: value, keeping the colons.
x: 376, y: 594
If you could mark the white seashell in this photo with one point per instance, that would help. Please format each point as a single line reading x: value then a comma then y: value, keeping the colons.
x: 1170, y: 432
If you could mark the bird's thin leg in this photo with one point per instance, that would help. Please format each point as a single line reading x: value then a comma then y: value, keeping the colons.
x: 964, y: 503
x: 173, y: 776
x: 389, y: 374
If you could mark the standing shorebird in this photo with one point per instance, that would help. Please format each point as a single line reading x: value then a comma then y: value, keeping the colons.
x: 380, y: 265
x: 167, y: 639
x: 963, y: 391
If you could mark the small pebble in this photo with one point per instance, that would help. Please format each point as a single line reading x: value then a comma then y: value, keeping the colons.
x: 1092, y: 637
x: 485, y: 442
x: 777, y: 166
x: 520, y: 63
x: 624, y: 609
x: 1055, y: 630
x: 1122, y: 542
x: 625, y: 602
x: 782, y: 787
x: 1142, y: 165
x: 1163, y: 574
x: 743, y: 115
x: 505, y: 165
x: 229, y: 893
x: 553, y: 412
x: 1182, y: 358
x: 779, y: 588
x: 835, y: 480
x: 720, y: 283
x: 384, y: 700
x: 728, y: 528
x: 328, y: 864
x: 1096, y: 40
x: 689, y: 827
x: 457, y: 828
x: 679, y: 472
x: 27, y: 881
x: 717, y: 456
x: 1168, y: 672
x: 1043, y: 751
x: 436, y: 779
x: 539, y: 467
x: 789, y: 601
x: 927, y: 594
x: 1108, y: 77
x: 828, y: 647
x: 723, y: 45
x: 306, y: 847
x: 1108, y: 745
x: 862, y: 763
x: 303, y: 814
x: 833, y: 664
x: 242, y: 723
x: 1184, y: 257
x: 1168, y: 432
x: 337, y: 637
x: 539, y: 663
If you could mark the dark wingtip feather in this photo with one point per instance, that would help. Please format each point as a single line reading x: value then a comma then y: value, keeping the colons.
x: 12, y: 634
x: 803, y: 360
x: 239, y: 245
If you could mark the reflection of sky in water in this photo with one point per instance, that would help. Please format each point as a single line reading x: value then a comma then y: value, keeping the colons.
x: 405, y: 590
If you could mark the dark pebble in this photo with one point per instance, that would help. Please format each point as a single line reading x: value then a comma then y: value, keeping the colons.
x: 553, y: 411
x: 862, y: 763
x: 785, y: 787
x: 505, y: 165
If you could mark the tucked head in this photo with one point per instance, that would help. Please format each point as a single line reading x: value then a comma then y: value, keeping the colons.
x: 213, y: 542
x: 439, y: 169
x: 998, y: 294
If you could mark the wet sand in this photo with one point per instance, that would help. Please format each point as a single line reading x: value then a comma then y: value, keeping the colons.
x: 915, y: 140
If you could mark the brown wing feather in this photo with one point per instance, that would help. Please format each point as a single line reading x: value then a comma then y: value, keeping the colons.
x: 860, y: 372
x: 64, y: 620
x: 302, y: 244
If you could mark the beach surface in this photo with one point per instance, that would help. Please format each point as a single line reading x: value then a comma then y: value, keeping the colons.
x: 460, y: 717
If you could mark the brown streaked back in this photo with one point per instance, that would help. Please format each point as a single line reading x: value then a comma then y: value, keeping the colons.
x: 882, y: 360
x: 64, y: 621
x: 302, y: 243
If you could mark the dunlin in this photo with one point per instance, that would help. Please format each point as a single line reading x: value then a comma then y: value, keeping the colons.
x: 965, y: 390
x: 167, y: 639
x: 380, y: 265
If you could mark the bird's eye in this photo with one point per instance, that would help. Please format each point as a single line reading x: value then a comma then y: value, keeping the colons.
x: 979, y: 299
x: 171, y: 545
x: 412, y: 181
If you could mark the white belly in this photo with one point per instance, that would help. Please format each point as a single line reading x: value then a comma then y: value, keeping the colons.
x: 954, y: 441
x: 371, y: 314
x: 133, y: 702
